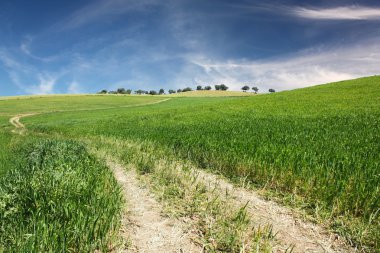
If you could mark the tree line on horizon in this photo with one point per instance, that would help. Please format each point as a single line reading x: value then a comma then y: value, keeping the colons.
x: 221, y: 87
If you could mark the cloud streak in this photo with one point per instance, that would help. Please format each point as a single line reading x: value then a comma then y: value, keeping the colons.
x: 45, y: 86
x: 101, y: 9
x: 295, y: 71
x: 338, y: 13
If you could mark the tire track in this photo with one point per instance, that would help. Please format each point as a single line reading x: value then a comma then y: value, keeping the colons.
x: 291, y: 232
x: 148, y: 230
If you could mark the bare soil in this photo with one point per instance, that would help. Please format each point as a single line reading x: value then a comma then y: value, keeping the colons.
x: 19, y: 127
x: 145, y: 226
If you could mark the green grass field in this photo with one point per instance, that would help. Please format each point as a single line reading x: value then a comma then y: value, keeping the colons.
x: 315, y: 148
x: 69, y: 103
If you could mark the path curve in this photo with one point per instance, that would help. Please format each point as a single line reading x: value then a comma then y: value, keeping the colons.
x: 148, y: 230
x: 21, y: 129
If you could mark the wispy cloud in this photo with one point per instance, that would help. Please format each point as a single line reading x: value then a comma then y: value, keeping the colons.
x: 25, y: 48
x: 74, y: 88
x: 7, y: 60
x: 100, y: 9
x: 26, y: 77
x: 338, y: 13
x: 45, y: 86
x: 294, y: 71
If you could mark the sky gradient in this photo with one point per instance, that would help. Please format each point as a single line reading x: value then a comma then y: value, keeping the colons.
x: 83, y: 46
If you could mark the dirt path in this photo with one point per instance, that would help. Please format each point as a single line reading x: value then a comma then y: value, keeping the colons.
x: 20, y: 128
x: 148, y: 230
x: 290, y: 231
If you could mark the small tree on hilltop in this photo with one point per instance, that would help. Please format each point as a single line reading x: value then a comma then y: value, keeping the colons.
x: 223, y: 87
x: 129, y: 91
x: 208, y: 87
x: 120, y: 91
x: 153, y: 92
x: 217, y: 87
x: 187, y: 89
x: 179, y: 90
x: 271, y: 90
x: 245, y: 88
x: 162, y: 91
x: 199, y: 87
x: 171, y: 91
x: 103, y: 92
x: 255, y: 89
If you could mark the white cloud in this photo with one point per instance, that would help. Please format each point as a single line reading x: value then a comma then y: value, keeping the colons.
x: 338, y: 13
x: 25, y: 48
x: 294, y: 71
x: 74, y: 88
x: 7, y: 60
x: 45, y: 86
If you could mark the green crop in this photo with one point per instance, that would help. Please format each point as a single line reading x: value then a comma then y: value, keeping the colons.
x: 316, y: 148
x: 58, y: 199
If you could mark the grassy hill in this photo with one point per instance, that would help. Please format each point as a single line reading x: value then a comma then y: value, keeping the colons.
x: 212, y: 93
x: 315, y: 148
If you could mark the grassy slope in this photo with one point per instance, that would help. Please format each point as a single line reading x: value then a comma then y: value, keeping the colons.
x: 212, y: 93
x: 320, y: 144
x: 67, y: 103
x: 5, y: 145
x: 53, y: 194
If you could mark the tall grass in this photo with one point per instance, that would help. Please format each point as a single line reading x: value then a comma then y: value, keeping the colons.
x: 7, y: 140
x: 59, y: 199
x: 5, y: 161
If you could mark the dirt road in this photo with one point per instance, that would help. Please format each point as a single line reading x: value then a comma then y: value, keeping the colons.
x: 146, y: 227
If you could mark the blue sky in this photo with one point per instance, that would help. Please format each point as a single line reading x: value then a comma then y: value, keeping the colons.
x: 83, y: 46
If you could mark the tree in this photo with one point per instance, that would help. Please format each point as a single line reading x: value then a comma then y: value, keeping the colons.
x: 112, y: 92
x: 217, y: 87
x: 129, y: 91
x: 199, y: 87
x: 179, y: 90
x: 255, y: 89
x: 172, y: 91
x: 120, y: 91
x: 187, y: 89
x: 208, y: 87
x: 103, y: 92
x: 245, y: 88
x: 153, y: 92
x: 139, y: 92
x: 223, y: 87
x: 271, y: 90
x: 162, y: 91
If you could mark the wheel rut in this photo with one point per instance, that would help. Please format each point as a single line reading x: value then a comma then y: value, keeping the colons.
x: 19, y: 127
x: 145, y: 226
